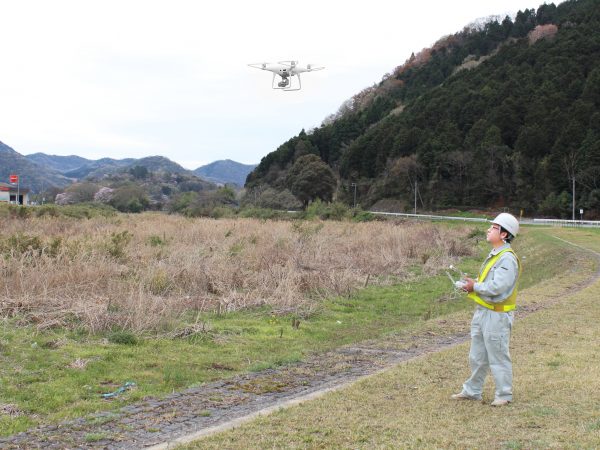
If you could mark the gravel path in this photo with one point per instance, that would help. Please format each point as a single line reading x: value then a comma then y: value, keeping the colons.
x: 190, y: 414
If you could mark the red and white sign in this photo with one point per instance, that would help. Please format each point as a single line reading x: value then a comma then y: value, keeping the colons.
x: 13, y: 178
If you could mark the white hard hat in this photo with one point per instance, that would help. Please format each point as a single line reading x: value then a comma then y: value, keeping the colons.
x: 508, y: 222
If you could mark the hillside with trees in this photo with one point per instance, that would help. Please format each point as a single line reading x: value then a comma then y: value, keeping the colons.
x: 33, y: 176
x: 58, y: 163
x: 501, y: 114
x: 225, y: 172
x: 140, y: 188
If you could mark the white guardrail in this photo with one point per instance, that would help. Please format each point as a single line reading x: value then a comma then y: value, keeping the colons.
x: 541, y: 222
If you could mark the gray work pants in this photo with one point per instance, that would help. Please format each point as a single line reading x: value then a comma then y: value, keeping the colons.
x: 490, y: 336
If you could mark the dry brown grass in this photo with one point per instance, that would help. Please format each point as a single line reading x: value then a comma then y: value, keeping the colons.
x: 138, y: 272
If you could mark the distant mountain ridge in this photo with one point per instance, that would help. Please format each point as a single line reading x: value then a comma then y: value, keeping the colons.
x: 225, y: 171
x: 99, y: 168
x: 33, y: 176
x: 108, y: 166
x: 40, y: 171
x: 221, y: 171
x: 61, y: 164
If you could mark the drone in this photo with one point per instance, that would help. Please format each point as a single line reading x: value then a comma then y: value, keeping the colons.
x: 286, y: 70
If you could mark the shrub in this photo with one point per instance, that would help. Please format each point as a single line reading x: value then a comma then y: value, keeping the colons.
x: 129, y: 198
x: 160, y: 284
x: 556, y: 205
x: 20, y: 243
x: 156, y: 241
x: 54, y: 246
x: 88, y: 210
x: 134, y: 206
x: 215, y: 204
x: 336, y: 211
x: 272, y: 198
x: 182, y: 202
x: 122, y: 337
x: 19, y: 212
x: 47, y: 210
x: 263, y: 213
x: 322, y: 210
x: 364, y: 216
x: 219, y: 212
x: 118, y: 242
x: 79, y: 211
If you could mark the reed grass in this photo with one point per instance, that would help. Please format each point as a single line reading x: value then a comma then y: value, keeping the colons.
x: 142, y: 272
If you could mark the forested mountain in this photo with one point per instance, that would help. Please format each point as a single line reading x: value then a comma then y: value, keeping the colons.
x: 40, y: 171
x: 99, y: 168
x: 77, y: 167
x: 503, y: 114
x: 225, y: 171
x: 32, y: 176
x: 58, y: 163
x: 158, y: 175
x: 104, y: 167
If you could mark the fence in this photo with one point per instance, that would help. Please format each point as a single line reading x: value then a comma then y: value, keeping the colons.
x: 566, y: 223
x: 541, y: 222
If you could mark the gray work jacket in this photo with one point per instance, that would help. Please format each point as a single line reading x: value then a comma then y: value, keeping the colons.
x: 501, y: 279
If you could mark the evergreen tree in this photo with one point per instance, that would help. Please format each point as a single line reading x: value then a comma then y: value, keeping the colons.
x: 310, y: 178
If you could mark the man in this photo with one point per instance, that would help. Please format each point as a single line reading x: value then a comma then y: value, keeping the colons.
x: 495, y: 292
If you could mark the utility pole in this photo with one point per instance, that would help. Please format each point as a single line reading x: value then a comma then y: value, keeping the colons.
x: 573, y: 196
x: 354, y: 186
x: 416, y: 187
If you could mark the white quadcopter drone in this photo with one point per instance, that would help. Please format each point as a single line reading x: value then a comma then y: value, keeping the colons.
x: 287, y: 70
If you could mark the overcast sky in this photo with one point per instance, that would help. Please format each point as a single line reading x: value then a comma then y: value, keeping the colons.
x: 139, y: 78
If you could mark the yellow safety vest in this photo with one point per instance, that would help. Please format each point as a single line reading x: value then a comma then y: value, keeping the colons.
x: 509, y: 303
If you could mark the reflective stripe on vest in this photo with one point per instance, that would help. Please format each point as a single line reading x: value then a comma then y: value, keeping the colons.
x: 509, y: 303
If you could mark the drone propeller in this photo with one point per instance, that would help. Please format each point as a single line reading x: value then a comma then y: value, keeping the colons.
x: 291, y: 64
x: 312, y: 67
x: 262, y: 65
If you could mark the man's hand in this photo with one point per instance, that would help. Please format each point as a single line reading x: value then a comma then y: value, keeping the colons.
x: 469, y: 282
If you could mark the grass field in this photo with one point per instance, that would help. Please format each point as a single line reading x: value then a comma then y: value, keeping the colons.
x: 54, y: 373
x: 556, y: 360
x: 142, y: 272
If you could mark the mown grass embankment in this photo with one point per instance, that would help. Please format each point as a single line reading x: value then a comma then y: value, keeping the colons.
x: 556, y: 360
x: 52, y: 374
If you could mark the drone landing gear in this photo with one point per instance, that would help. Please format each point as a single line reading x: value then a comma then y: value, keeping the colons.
x: 286, y: 83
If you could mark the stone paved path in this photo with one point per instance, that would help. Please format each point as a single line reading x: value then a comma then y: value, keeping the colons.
x: 157, y: 421
x: 161, y: 423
